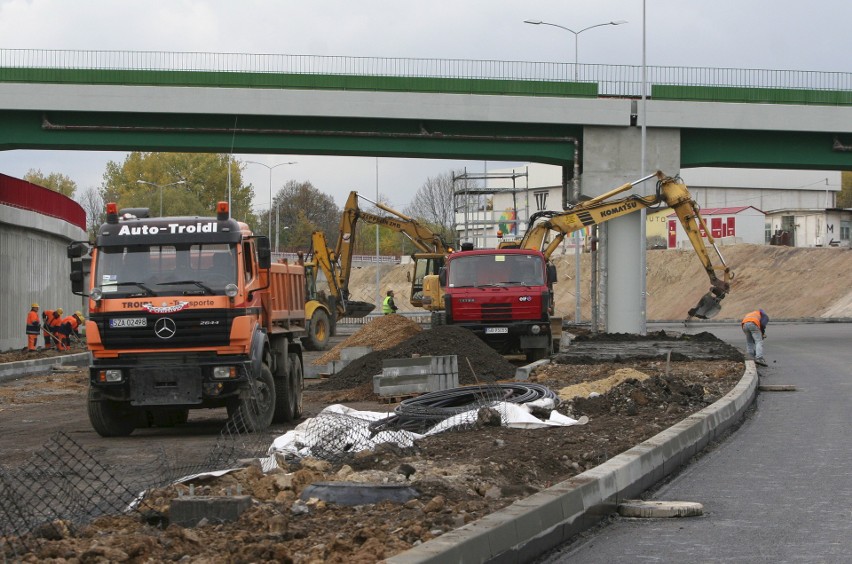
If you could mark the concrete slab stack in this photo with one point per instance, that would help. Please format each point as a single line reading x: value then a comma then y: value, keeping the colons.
x: 406, y: 376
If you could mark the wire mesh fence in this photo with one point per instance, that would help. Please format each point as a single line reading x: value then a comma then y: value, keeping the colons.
x: 64, y: 486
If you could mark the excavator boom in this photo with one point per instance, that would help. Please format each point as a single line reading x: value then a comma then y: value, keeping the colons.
x: 430, y: 246
x: 548, y: 229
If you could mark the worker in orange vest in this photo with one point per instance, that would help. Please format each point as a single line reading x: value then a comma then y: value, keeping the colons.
x: 754, y: 326
x: 56, y: 329
x: 70, y: 324
x: 46, y: 318
x: 33, y: 328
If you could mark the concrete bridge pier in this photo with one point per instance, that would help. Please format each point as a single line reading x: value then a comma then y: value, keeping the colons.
x: 611, y: 157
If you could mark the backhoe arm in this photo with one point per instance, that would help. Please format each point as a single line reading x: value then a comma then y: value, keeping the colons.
x: 677, y: 197
x: 597, y: 210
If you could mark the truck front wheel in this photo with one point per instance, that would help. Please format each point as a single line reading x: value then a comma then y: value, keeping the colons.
x: 110, y: 418
x: 319, y: 332
x: 254, y: 409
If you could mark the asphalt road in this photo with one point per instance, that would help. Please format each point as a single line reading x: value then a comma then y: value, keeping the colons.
x: 777, y: 490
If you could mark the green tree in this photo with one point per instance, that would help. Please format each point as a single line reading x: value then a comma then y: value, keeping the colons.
x: 53, y: 181
x: 298, y: 210
x: 844, y: 199
x: 204, y: 177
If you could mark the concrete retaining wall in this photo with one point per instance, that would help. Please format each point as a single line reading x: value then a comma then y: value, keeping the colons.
x: 35, y: 244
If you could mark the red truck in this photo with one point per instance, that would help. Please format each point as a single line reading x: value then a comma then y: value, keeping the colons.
x: 505, y: 296
x: 188, y: 313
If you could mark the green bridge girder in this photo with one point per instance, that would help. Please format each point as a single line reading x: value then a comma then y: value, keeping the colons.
x: 95, y: 131
x: 552, y: 144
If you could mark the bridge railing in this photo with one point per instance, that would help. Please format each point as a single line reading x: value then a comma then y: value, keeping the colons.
x: 611, y: 80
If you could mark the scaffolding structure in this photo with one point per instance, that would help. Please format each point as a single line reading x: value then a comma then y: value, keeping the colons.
x: 471, y: 202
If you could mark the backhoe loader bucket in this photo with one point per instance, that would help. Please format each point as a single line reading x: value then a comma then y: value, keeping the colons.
x: 358, y: 309
x: 707, y: 307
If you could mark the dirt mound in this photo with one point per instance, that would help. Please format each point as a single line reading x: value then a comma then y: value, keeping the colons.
x: 381, y: 333
x: 438, y: 341
x: 633, y: 396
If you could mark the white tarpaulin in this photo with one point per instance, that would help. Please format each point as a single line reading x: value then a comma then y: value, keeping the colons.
x: 301, y: 440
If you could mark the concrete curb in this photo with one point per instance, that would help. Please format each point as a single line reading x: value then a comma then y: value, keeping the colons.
x: 12, y: 370
x: 534, y: 525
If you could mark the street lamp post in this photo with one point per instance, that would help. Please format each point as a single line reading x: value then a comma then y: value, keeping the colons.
x: 270, y: 167
x: 576, y: 69
x: 576, y: 35
x: 161, y: 186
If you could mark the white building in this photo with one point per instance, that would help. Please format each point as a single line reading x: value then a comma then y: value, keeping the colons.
x: 743, y: 224
x: 809, y: 228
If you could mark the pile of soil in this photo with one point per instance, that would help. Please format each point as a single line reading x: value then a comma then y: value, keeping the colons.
x: 473, y: 355
x: 381, y: 333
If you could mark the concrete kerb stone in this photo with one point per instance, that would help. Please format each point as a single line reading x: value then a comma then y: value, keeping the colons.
x: 533, y: 525
x: 523, y: 372
x: 12, y: 370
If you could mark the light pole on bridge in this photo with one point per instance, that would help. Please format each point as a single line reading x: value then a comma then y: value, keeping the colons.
x: 576, y: 36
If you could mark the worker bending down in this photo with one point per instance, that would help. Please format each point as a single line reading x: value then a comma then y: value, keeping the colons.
x: 70, y: 324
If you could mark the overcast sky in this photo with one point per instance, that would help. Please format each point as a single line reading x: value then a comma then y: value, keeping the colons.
x: 762, y: 34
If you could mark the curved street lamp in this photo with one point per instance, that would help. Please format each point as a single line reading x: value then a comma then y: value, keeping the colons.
x: 161, y: 186
x: 270, y: 167
x: 576, y: 35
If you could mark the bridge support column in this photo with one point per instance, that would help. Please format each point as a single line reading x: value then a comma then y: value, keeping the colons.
x: 611, y: 157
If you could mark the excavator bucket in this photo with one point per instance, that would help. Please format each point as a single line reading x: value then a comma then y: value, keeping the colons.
x: 358, y: 309
x: 707, y: 307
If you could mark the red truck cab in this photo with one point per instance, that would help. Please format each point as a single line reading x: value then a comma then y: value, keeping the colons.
x: 504, y: 296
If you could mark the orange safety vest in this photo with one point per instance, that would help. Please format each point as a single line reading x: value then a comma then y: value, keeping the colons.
x: 55, y: 322
x: 72, y: 321
x: 753, y: 317
x: 32, y: 322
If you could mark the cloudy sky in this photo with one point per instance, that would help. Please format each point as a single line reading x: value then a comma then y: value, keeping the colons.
x: 761, y: 34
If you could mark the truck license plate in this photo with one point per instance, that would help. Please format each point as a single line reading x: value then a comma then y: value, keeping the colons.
x: 496, y: 330
x: 128, y: 322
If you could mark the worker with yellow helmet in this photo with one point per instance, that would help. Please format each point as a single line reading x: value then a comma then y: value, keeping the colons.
x: 70, y: 325
x: 33, y: 328
x: 55, y: 323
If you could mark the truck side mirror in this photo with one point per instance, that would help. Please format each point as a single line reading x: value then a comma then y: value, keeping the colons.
x: 442, y: 276
x: 77, y: 249
x: 551, y: 273
x: 264, y: 254
x: 78, y: 278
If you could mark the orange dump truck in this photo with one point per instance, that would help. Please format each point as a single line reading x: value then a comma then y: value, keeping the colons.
x: 188, y: 313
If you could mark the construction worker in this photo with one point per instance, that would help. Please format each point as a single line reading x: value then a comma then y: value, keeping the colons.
x: 388, y: 307
x: 754, y: 326
x: 46, y: 331
x: 71, y: 324
x: 33, y: 328
x: 56, y: 329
